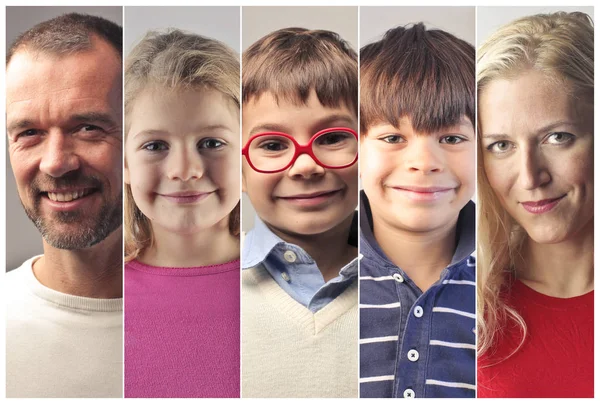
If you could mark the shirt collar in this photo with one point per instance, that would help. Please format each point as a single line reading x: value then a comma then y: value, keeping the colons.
x: 260, y: 241
x: 465, y: 231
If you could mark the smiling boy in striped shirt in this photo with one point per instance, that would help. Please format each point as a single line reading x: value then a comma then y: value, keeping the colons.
x: 417, y: 164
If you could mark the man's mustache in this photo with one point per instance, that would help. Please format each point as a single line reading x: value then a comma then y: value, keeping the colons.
x: 71, y: 180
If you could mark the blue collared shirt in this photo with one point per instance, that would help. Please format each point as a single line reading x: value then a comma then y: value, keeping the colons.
x: 414, y: 343
x: 293, y: 269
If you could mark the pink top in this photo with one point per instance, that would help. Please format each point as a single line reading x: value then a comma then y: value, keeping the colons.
x: 182, y: 331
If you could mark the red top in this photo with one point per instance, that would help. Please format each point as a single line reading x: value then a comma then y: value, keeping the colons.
x: 557, y: 358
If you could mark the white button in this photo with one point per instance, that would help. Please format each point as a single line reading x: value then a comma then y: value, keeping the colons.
x: 413, y: 355
x: 285, y: 276
x: 289, y: 256
x: 398, y: 278
x: 418, y: 311
x: 409, y: 393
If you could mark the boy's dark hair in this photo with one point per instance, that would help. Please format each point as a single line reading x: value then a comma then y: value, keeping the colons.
x: 68, y: 33
x: 426, y: 75
x: 291, y: 62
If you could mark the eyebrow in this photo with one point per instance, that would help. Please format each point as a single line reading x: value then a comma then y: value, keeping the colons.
x: 321, y: 124
x: 542, y: 130
x: 95, y: 117
x: 201, y: 129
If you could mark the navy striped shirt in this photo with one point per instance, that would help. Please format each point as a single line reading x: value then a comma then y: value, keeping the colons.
x: 415, y: 344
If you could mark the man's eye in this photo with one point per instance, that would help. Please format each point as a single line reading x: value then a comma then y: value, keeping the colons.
x: 393, y: 139
x: 210, y: 144
x: 154, y: 146
x: 89, y: 128
x: 501, y: 146
x: 559, y: 138
x: 451, y: 139
x: 28, y: 133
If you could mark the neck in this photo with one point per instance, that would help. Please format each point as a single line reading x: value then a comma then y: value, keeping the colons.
x: 422, y: 255
x: 95, y: 272
x: 330, y: 249
x: 210, y: 246
x: 564, y: 269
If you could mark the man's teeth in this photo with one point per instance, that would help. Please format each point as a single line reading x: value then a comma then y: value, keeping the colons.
x: 66, y: 197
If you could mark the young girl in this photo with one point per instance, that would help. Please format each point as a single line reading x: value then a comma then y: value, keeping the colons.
x: 535, y: 80
x: 182, y: 151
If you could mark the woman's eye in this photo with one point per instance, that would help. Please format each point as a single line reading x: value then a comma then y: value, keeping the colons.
x: 154, y: 146
x: 210, y: 144
x: 393, y: 139
x: 560, y: 138
x: 501, y: 146
x: 452, y: 139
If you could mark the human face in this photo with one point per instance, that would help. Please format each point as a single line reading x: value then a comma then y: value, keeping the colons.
x: 537, y: 147
x: 64, y: 120
x: 182, y: 158
x: 306, y: 198
x: 418, y: 182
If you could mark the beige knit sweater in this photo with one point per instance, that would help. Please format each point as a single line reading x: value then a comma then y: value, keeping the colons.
x: 288, y: 351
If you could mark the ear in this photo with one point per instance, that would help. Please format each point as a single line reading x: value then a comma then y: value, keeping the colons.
x: 126, y: 174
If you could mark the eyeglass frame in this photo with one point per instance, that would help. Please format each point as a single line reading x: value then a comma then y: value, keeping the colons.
x: 300, y: 149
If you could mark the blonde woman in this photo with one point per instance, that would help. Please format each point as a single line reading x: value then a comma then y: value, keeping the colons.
x: 535, y: 80
x: 182, y: 195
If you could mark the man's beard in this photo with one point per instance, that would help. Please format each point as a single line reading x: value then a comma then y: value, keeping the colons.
x: 91, y: 230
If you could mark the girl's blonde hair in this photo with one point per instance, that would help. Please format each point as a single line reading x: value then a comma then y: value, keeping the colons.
x: 560, y: 45
x: 174, y: 60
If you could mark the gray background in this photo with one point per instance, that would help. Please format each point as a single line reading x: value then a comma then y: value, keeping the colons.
x: 259, y: 21
x: 375, y: 21
x: 221, y: 23
x: 22, y: 238
x: 489, y: 19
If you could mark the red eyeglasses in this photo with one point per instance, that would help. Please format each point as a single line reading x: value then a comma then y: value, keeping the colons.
x: 273, y: 152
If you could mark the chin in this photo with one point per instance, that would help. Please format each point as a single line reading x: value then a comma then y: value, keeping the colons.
x: 548, y: 235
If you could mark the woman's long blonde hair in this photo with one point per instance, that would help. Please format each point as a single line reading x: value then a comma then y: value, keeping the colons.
x: 174, y: 60
x: 560, y: 45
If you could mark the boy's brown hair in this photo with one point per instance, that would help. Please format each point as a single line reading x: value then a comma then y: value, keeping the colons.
x: 291, y: 62
x: 426, y: 75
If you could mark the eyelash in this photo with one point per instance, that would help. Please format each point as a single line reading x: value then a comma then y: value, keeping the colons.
x: 569, y: 138
x: 459, y: 139
x: 203, y: 144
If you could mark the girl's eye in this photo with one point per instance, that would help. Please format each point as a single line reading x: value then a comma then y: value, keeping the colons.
x: 559, y: 138
x: 501, y: 146
x: 452, y: 139
x: 154, y: 146
x: 210, y: 144
x: 393, y: 139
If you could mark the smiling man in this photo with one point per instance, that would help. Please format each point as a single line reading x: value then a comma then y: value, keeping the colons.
x: 64, y: 127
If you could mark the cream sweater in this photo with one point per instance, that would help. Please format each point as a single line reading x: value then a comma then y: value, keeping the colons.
x: 287, y: 351
x: 59, y: 345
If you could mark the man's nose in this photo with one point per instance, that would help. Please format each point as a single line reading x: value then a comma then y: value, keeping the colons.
x: 59, y: 155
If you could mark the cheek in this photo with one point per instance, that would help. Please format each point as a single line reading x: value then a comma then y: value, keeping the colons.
x: 225, y: 173
x: 576, y: 169
x: 375, y: 166
x: 464, y: 169
x: 499, y: 176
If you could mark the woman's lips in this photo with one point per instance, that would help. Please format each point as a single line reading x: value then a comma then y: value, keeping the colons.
x: 541, y: 206
x: 423, y: 194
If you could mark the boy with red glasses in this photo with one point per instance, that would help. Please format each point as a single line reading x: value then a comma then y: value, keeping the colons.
x: 299, y: 288
x: 417, y: 276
